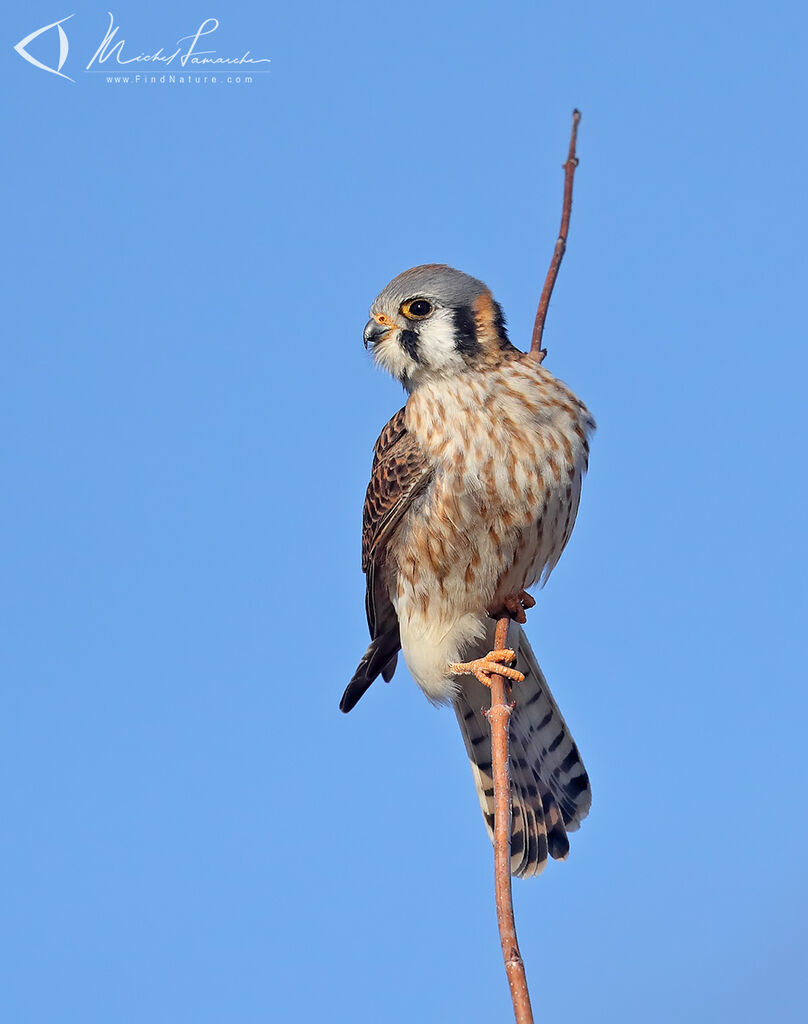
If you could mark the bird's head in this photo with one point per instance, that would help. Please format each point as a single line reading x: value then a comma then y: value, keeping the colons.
x: 434, y: 321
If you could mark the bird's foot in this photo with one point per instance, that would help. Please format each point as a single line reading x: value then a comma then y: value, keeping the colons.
x: 484, y: 668
x: 515, y: 605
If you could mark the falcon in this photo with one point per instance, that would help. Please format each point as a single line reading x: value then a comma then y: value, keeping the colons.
x: 473, y: 494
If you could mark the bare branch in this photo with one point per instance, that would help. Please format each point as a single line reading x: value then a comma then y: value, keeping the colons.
x: 500, y: 712
x: 498, y: 721
x: 560, y: 246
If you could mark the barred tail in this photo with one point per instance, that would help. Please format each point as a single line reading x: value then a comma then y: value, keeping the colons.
x: 549, y: 785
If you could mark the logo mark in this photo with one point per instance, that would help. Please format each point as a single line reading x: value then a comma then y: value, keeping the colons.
x: 63, y: 48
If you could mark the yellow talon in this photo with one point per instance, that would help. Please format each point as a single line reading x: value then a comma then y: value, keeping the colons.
x: 484, y: 668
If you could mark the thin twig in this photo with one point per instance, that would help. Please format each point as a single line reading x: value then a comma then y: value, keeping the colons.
x: 500, y: 712
x: 498, y: 720
x: 561, y: 244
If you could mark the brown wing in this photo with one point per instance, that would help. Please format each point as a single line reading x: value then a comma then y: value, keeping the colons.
x: 400, y: 472
x: 390, y: 433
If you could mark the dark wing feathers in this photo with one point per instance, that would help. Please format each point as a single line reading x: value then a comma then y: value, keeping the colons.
x: 400, y: 472
x: 381, y: 653
x: 390, y: 433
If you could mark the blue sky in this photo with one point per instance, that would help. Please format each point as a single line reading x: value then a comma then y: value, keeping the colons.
x: 192, y: 832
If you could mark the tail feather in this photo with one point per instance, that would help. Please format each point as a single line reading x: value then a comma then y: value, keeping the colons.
x: 557, y: 839
x: 549, y: 786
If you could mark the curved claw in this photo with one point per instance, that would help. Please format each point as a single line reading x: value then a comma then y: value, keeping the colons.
x: 515, y: 605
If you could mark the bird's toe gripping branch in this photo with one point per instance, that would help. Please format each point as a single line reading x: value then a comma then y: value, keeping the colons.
x: 484, y: 668
x: 514, y: 605
x: 517, y: 604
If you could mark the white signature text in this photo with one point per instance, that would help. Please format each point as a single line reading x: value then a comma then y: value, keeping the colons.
x: 187, y: 50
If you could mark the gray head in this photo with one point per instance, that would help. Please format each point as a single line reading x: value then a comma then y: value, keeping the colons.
x: 434, y: 321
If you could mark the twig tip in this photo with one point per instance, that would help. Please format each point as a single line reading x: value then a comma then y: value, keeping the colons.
x: 561, y: 242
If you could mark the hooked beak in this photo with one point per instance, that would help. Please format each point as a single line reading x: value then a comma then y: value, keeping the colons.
x: 374, y: 332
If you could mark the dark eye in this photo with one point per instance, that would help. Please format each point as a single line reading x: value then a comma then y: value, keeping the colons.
x: 417, y: 309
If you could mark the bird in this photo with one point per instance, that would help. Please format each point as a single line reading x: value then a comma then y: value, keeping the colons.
x: 473, y: 494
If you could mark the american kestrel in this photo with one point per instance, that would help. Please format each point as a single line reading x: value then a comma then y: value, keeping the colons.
x: 473, y: 495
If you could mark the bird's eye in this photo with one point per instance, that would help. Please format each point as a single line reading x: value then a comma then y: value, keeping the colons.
x: 417, y: 309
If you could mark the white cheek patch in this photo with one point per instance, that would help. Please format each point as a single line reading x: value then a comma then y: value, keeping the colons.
x: 437, y: 353
x: 436, y: 346
x: 391, y: 357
